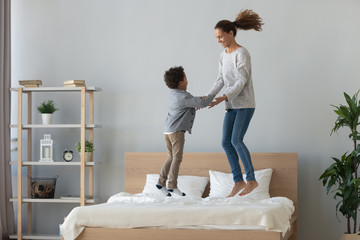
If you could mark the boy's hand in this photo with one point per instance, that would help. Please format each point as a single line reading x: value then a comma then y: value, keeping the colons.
x: 217, y: 101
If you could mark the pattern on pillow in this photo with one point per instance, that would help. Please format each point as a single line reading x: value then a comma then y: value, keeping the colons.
x: 222, y: 183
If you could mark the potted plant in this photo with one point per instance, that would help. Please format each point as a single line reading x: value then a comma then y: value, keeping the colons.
x: 89, y: 148
x: 342, y: 175
x: 47, y: 109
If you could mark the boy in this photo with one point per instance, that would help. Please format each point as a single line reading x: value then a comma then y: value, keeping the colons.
x: 179, y: 120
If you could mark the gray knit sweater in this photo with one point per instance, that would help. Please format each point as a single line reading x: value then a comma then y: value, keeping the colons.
x: 181, y: 113
x: 235, y: 76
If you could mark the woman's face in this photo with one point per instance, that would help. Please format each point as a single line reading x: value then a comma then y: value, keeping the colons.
x: 224, y: 38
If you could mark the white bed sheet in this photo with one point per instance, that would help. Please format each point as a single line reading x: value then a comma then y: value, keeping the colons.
x: 126, y: 210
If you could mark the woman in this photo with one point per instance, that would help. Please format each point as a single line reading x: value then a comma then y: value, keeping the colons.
x: 235, y: 76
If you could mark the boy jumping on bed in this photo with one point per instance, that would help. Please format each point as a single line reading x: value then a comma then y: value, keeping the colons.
x: 180, y: 119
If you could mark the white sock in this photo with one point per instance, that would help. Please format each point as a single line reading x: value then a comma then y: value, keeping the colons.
x: 163, y: 190
x: 176, y: 191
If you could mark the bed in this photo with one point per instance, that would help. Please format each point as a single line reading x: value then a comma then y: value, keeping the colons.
x: 138, y: 165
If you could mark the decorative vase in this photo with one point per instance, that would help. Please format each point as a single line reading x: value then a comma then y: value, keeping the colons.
x: 349, y: 236
x: 46, y: 118
x: 88, y: 156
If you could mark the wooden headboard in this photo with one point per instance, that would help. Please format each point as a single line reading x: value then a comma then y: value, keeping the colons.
x: 284, y: 165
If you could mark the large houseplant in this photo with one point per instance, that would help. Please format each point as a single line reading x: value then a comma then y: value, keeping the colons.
x: 342, y: 175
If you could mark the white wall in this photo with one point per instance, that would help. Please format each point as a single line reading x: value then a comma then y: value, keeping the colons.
x: 303, y: 61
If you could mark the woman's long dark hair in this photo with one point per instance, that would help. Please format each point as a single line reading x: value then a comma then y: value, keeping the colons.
x: 246, y: 20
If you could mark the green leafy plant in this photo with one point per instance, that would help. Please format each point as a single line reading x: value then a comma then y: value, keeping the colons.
x: 340, y: 175
x: 47, y: 107
x: 343, y: 173
x: 89, y: 146
x: 348, y: 116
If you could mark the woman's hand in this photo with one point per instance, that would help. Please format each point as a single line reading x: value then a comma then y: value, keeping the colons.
x: 217, y: 101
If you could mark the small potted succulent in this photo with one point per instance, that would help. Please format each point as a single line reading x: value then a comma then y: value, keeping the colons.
x: 47, y: 109
x: 89, y: 148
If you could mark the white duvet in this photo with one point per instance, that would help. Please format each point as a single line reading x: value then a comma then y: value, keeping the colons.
x: 126, y: 210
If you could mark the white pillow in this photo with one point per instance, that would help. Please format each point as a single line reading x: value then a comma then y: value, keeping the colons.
x: 222, y: 183
x: 193, y: 186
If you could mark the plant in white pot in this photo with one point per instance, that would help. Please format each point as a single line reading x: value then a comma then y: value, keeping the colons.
x: 342, y: 175
x: 89, y: 148
x: 47, y: 109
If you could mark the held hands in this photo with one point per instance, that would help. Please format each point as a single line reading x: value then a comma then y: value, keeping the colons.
x: 217, y: 101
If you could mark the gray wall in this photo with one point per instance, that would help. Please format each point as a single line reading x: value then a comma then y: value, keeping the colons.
x: 303, y: 61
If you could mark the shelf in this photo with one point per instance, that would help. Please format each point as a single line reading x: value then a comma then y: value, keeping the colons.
x: 57, y: 89
x: 52, y: 200
x: 38, y: 236
x: 36, y: 163
x: 86, y: 169
x: 28, y: 126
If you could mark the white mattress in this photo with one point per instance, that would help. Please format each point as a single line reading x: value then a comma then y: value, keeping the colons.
x: 125, y: 210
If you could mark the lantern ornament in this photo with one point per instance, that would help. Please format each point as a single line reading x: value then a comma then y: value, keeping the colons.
x: 46, y: 149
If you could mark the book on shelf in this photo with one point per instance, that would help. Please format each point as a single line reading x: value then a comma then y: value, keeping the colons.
x: 74, y: 82
x: 31, y: 85
x: 30, y: 82
x: 72, y: 197
x: 74, y: 85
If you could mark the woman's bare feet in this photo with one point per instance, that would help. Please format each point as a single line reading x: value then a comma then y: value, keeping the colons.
x: 237, y: 187
x: 250, y: 186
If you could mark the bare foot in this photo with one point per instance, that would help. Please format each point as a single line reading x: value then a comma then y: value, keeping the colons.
x: 250, y: 186
x: 237, y: 187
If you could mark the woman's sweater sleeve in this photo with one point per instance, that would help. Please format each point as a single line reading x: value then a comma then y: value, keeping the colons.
x: 219, y: 83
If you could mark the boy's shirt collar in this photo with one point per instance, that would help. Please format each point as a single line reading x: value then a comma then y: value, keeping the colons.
x: 178, y: 90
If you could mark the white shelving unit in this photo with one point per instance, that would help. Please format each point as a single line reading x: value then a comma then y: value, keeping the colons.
x: 37, y: 236
x: 54, y: 200
x: 25, y: 163
x: 28, y: 127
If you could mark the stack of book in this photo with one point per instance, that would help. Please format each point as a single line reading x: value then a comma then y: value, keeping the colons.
x: 72, y: 197
x: 74, y: 83
x: 30, y: 83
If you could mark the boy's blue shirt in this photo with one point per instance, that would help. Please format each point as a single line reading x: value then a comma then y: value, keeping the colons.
x: 182, y: 111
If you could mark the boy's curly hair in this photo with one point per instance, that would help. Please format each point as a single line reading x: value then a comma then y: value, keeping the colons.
x: 173, y: 76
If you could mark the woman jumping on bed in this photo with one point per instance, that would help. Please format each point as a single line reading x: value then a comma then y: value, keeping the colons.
x: 235, y: 76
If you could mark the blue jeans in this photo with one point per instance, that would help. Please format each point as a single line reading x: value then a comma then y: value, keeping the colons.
x: 236, y: 123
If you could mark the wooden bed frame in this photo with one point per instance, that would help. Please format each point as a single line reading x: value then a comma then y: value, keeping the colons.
x: 137, y: 165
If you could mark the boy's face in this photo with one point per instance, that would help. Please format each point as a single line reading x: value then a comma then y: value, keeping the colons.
x: 183, y: 84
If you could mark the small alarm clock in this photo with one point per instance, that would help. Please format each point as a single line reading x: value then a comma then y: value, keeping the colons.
x: 68, y: 155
